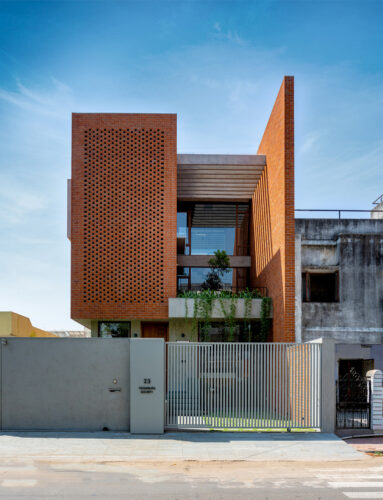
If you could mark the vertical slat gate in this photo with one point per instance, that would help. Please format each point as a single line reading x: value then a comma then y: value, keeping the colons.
x: 243, y: 385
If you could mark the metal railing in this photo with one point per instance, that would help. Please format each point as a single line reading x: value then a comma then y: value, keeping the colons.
x: 243, y: 385
x: 378, y: 200
x: 338, y: 211
x: 262, y: 291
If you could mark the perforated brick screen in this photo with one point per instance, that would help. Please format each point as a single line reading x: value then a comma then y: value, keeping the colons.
x: 123, y: 215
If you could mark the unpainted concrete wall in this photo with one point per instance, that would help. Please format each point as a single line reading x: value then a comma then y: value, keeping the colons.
x: 358, y: 351
x: 355, y: 247
x: 377, y: 212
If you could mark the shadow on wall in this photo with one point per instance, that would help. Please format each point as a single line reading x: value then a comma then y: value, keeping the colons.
x: 272, y: 218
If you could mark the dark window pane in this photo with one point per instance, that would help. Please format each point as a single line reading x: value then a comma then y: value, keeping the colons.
x: 323, y: 287
x: 114, y: 329
x: 243, y: 331
x: 304, y: 287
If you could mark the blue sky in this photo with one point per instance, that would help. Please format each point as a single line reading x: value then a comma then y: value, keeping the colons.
x: 218, y: 65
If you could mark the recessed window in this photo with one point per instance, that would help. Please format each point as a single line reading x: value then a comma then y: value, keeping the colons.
x: 218, y: 331
x: 203, y: 228
x: 109, y: 329
x: 320, y: 287
x: 235, y: 280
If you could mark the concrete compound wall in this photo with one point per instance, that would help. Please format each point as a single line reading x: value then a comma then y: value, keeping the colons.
x: 354, y: 247
x: 94, y: 384
x: 65, y: 384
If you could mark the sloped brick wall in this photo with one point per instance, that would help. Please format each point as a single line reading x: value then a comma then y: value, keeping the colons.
x: 272, y: 223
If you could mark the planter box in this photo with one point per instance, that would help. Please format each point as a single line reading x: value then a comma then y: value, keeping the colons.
x: 178, y: 307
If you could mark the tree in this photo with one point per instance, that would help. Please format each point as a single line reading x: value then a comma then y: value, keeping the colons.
x: 218, y: 268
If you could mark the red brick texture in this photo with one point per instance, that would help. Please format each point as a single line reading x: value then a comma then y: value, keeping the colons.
x: 272, y: 222
x: 123, y: 215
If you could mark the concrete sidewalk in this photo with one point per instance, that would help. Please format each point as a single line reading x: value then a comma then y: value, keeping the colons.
x: 177, y: 446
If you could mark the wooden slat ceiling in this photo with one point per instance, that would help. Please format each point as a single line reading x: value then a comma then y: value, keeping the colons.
x: 218, y: 215
x: 218, y: 177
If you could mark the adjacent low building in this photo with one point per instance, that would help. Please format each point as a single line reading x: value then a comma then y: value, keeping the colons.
x: 16, y: 325
x: 339, y: 288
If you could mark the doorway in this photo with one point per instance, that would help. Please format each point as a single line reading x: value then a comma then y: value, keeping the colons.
x: 152, y: 330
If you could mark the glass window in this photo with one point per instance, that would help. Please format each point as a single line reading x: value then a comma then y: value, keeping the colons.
x: 182, y: 233
x: 108, y: 329
x: 236, y: 279
x: 214, y: 226
x: 243, y: 331
x: 182, y: 226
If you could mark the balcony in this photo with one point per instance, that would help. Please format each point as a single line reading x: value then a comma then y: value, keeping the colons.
x: 184, y: 308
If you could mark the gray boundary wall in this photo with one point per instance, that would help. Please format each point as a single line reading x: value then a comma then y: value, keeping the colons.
x: 328, y: 389
x: 65, y: 384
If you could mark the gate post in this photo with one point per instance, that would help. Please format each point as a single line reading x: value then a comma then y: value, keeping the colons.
x: 147, y: 386
x: 328, y: 392
x: 375, y: 377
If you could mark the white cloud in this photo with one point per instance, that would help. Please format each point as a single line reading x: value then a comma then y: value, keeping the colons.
x: 52, y: 102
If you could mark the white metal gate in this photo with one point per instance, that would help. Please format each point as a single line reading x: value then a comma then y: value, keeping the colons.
x: 243, y: 385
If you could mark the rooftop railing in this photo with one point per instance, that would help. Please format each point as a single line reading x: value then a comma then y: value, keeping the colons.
x: 337, y: 212
x: 378, y: 200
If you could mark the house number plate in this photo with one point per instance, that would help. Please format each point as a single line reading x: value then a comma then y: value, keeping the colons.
x: 147, y: 389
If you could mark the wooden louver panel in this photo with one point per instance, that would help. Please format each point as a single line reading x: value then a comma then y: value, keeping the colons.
x: 218, y: 177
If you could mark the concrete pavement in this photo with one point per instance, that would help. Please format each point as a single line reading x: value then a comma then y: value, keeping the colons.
x: 177, y: 446
x: 226, y: 480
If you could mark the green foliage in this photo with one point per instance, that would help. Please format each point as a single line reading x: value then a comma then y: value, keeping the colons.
x: 223, y: 294
x: 265, y: 318
x: 203, y: 305
x: 218, y: 268
x: 220, y: 261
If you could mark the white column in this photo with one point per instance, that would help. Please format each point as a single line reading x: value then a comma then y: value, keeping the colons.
x: 376, y: 380
x: 328, y: 392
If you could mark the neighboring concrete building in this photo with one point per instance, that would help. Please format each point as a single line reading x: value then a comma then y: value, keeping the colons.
x: 144, y: 221
x: 16, y: 325
x: 339, y: 288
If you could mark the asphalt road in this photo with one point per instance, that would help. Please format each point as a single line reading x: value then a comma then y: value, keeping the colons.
x: 47, y: 479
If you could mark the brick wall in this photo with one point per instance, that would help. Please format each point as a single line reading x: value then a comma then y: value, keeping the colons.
x: 123, y: 215
x: 272, y: 221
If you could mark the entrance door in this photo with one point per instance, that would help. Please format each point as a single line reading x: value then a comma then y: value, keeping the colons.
x: 154, y: 330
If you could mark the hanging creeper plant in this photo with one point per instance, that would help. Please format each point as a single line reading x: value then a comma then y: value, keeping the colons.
x: 265, y: 318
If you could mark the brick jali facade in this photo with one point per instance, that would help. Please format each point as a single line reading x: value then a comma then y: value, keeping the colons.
x: 124, y: 215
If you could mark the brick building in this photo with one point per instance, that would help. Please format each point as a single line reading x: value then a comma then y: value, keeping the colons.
x: 144, y: 222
